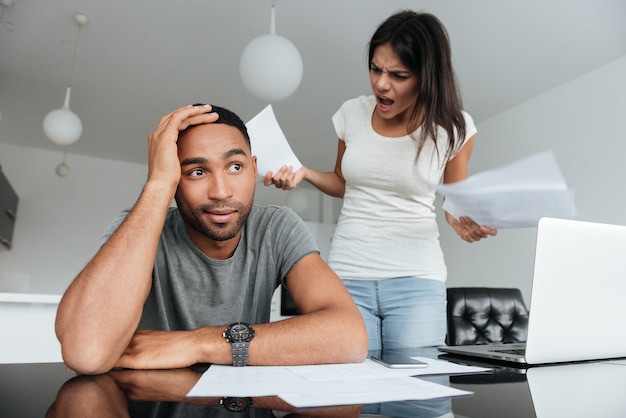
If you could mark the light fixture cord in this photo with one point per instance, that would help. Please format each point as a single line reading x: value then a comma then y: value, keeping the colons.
x: 76, y: 48
x: 273, y: 19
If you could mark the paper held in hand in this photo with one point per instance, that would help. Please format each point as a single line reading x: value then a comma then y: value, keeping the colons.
x: 269, y: 143
x: 515, y: 195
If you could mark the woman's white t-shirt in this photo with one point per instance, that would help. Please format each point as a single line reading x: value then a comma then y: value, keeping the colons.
x: 387, y: 225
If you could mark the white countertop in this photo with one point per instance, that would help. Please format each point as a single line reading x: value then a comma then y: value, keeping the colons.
x: 29, y: 298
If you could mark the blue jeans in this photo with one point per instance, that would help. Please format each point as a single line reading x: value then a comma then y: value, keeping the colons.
x: 401, y: 312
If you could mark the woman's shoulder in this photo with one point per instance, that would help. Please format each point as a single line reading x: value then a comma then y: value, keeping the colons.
x: 468, y: 117
x: 366, y: 102
x: 470, y: 127
x: 353, y: 112
x: 361, y: 105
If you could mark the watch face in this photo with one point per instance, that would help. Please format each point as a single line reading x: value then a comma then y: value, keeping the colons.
x: 240, y: 332
x: 236, y: 404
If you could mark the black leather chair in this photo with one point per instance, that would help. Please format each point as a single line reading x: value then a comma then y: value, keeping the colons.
x: 482, y: 315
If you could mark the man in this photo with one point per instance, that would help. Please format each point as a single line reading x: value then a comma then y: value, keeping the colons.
x: 164, y: 287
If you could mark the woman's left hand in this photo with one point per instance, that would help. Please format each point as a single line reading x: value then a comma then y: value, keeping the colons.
x: 469, y: 230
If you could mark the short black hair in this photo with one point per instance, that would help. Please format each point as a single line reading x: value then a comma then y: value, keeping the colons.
x: 230, y: 118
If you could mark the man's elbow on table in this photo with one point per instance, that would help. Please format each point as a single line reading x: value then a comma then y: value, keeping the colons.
x: 86, y: 359
x: 354, y: 337
x: 359, y: 353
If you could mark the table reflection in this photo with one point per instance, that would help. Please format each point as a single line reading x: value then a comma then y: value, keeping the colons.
x: 592, y: 389
x: 589, y: 389
x: 573, y: 390
x: 162, y: 393
x: 431, y: 408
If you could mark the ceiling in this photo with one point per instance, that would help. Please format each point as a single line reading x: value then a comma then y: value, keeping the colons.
x: 140, y: 59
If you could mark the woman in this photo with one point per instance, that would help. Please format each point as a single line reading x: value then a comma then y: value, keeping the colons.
x: 393, y: 147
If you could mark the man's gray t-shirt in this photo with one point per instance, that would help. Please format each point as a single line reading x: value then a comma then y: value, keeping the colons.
x: 191, y: 290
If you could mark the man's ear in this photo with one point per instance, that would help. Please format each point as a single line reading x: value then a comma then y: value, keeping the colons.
x: 256, y: 170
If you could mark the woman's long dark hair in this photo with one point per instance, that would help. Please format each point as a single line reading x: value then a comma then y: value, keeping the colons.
x: 421, y: 42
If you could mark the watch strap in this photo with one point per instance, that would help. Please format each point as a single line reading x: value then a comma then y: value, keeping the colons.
x: 240, y: 353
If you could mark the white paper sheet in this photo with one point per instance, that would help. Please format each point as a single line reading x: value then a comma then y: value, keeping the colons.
x: 269, y: 143
x: 370, y: 369
x: 516, y: 195
x: 358, y: 383
x: 358, y: 392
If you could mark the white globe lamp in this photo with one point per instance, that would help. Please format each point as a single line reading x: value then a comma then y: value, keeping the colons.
x: 62, y: 170
x: 62, y: 126
x: 271, y: 66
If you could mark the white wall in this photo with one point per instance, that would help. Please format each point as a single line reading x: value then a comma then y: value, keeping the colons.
x: 28, y: 328
x: 60, y: 220
x: 583, y: 122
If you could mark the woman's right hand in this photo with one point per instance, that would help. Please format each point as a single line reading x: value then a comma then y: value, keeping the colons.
x: 285, y: 178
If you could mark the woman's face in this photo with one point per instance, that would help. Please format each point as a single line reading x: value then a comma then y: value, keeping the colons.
x: 393, y: 84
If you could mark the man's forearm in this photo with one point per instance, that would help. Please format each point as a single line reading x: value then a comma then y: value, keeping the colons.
x: 327, y: 336
x: 333, y: 335
x: 100, y: 311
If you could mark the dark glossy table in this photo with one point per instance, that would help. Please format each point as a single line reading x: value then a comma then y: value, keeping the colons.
x: 48, y: 390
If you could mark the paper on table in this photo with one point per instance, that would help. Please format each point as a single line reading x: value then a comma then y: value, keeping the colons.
x: 269, y: 143
x: 372, y: 370
x: 318, y: 379
x: 245, y: 381
x: 370, y: 391
x: 516, y: 195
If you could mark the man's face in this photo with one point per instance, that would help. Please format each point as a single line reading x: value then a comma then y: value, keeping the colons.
x: 218, y: 178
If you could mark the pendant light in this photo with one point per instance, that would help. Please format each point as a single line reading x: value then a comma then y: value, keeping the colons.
x: 271, y: 66
x: 63, y: 170
x: 62, y: 126
x: 5, y: 24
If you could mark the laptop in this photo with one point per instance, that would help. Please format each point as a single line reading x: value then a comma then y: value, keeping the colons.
x: 577, y: 307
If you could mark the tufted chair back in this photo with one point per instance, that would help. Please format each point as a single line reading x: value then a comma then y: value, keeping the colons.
x: 482, y: 315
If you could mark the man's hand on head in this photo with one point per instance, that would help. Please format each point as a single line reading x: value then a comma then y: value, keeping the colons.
x: 163, y: 163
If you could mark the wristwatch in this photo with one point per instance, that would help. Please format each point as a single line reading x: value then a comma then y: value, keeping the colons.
x: 239, y: 335
x: 232, y: 404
